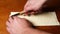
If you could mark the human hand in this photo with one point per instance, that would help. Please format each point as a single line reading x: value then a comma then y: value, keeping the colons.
x: 17, y: 25
x: 34, y: 5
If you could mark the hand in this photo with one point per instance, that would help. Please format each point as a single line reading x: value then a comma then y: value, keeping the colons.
x: 33, y: 5
x: 17, y: 25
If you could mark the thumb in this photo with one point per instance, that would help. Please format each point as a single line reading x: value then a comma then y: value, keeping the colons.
x: 27, y: 9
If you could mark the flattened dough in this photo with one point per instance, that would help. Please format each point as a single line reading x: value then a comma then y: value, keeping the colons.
x: 46, y: 19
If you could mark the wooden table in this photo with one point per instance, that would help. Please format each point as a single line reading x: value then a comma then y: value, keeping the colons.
x: 6, y: 6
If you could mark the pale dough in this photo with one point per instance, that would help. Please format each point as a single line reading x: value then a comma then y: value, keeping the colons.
x: 46, y: 19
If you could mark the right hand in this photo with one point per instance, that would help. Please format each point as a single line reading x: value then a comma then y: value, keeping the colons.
x: 33, y: 5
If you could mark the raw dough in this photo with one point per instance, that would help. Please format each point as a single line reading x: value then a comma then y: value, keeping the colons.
x: 46, y: 19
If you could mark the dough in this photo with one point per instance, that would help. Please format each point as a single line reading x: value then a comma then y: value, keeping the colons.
x: 45, y: 19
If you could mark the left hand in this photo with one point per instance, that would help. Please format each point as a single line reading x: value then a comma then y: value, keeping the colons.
x: 17, y: 25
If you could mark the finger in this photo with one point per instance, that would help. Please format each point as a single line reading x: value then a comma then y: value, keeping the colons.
x: 9, y: 30
x: 14, y: 21
x: 27, y: 4
x: 18, y: 19
x: 28, y: 13
x: 8, y: 24
x: 10, y: 19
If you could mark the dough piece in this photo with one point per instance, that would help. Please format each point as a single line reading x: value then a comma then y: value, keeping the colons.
x: 45, y: 19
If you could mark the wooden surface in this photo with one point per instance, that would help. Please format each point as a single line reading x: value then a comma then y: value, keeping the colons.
x: 6, y: 6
